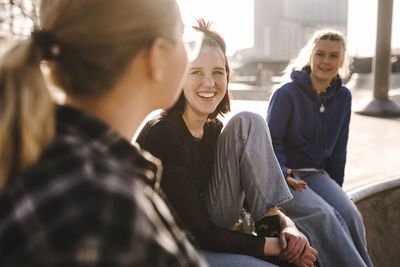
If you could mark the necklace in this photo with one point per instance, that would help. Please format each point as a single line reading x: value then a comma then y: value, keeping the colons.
x: 321, y: 105
x: 319, y: 92
x: 322, y: 108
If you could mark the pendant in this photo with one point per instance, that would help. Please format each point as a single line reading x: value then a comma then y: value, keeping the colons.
x: 322, y: 108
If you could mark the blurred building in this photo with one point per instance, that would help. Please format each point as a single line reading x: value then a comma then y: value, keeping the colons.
x: 282, y: 27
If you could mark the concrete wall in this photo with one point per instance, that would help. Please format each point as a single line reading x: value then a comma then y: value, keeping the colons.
x: 379, y: 205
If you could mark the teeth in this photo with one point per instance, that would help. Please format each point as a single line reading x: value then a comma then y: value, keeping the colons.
x: 206, y: 95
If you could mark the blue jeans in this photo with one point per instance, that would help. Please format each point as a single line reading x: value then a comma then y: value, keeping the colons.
x: 245, y: 167
x: 331, y: 221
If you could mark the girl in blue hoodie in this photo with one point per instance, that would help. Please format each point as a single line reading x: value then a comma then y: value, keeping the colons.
x: 309, y: 122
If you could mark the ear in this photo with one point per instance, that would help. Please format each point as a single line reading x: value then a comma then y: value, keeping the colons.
x: 155, y: 60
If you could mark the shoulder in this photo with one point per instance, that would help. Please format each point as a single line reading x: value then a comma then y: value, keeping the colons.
x: 346, y: 91
x: 288, y: 89
x: 344, y: 94
x: 161, y: 128
x: 165, y: 138
x: 215, y: 126
x: 59, y: 183
x: 287, y: 93
x: 70, y: 169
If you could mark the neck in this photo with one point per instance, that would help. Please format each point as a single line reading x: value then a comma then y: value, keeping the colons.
x: 194, y: 123
x: 319, y: 86
x: 123, y: 116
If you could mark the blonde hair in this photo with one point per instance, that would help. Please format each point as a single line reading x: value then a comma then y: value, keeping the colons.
x: 96, y: 39
x: 302, y: 60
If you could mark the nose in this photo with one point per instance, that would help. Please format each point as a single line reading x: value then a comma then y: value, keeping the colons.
x: 325, y: 59
x: 208, y: 80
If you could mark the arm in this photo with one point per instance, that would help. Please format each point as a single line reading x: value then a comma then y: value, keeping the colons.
x: 278, y: 119
x: 336, y: 162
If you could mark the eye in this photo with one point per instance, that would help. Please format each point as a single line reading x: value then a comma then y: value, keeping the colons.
x: 196, y: 72
x: 334, y: 55
x: 219, y: 72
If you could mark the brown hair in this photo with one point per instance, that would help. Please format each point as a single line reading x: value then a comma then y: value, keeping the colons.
x: 211, y: 39
x: 94, y: 40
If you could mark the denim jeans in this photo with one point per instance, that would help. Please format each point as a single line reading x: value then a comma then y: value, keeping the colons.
x: 245, y: 167
x: 331, y: 221
x: 215, y: 259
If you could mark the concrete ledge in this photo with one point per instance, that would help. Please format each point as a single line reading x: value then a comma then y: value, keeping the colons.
x: 367, y: 191
x: 240, y: 91
x: 379, y: 206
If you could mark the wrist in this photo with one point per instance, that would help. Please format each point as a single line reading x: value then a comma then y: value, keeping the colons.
x: 282, y: 220
x: 272, y: 246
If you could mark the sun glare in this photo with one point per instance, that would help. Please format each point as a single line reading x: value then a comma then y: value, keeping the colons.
x: 232, y: 18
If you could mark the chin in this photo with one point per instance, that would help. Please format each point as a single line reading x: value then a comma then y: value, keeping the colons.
x: 325, y: 77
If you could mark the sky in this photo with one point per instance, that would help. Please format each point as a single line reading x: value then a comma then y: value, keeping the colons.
x: 234, y: 20
x: 362, y: 26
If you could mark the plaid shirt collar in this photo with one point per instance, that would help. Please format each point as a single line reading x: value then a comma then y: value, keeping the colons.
x: 106, y: 140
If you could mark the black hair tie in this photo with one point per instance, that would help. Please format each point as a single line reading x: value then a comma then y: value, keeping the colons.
x: 47, y: 43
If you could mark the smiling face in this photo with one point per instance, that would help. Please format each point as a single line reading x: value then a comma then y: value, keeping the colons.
x: 206, y: 83
x: 325, y: 61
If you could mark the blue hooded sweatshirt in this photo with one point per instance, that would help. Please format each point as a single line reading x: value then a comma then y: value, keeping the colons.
x: 310, y: 130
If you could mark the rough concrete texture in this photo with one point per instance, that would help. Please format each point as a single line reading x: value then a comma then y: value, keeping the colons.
x: 381, y: 214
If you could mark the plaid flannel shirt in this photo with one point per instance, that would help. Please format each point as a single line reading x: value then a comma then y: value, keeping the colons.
x: 90, y: 201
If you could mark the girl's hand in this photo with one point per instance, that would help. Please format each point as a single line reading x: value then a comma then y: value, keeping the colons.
x: 298, y: 185
x: 308, y: 258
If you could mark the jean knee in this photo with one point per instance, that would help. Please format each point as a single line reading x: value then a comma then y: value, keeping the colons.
x: 250, y: 119
x: 352, y: 215
x: 248, y: 116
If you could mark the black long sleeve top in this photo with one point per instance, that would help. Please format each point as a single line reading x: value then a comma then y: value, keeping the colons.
x: 187, y: 168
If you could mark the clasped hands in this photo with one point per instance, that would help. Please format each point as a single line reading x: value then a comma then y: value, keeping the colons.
x: 295, y: 248
x: 292, y: 245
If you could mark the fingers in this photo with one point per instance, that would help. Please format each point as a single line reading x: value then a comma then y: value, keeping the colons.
x: 300, y: 186
x: 282, y: 239
x: 295, y: 248
x: 313, y: 251
x: 308, y: 258
x: 295, y: 253
x: 310, y: 254
x: 303, y: 263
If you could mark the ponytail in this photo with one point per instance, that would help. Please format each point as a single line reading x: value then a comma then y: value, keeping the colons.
x: 26, y: 110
